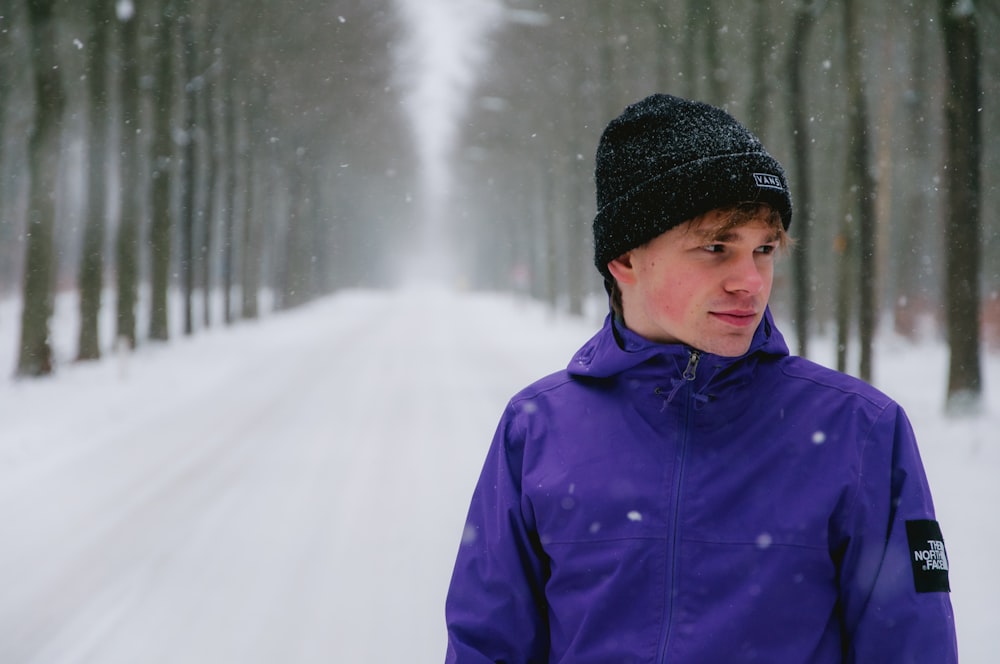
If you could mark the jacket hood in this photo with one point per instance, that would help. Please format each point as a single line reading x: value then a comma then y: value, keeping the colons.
x: 615, y: 349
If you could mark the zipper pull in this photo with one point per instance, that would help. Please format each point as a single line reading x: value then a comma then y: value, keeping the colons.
x: 692, y: 367
x: 688, y: 376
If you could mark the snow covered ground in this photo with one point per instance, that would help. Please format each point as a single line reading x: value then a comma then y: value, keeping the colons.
x: 293, y: 490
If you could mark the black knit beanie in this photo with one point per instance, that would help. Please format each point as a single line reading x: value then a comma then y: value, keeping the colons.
x: 666, y: 160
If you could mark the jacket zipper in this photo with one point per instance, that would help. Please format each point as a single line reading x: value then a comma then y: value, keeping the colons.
x: 692, y: 367
x: 690, y: 372
x: 688, y: 376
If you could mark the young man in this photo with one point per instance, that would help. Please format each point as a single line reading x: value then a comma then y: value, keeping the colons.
x: 685, y: 491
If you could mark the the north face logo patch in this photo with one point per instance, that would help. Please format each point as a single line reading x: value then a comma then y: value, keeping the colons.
x: 768, y: 180
x: 928, y: 556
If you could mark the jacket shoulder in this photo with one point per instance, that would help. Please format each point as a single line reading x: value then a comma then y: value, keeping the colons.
x: 816, y: 376
x: 554, y: 382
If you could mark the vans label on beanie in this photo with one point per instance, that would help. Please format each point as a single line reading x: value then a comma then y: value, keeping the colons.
x: 768, y: 180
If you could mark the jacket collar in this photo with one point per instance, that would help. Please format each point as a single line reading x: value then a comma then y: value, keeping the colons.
x: 616, y: 349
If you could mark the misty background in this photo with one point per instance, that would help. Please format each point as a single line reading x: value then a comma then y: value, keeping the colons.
x: 269, y: 271
x: 251, y: 157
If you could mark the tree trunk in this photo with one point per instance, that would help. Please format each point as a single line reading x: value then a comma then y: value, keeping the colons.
x: 35, y: 357
x: 163, y: 148
x: 666, y: 66
x: 802, y: 277
x: 188, y: 164
x: 844, y: 250
x: 552, y: 226
x: 291, y: 276
x: 6, y: 69
x: 718, y: 90
x: 760, y: 88
x: 230, y: 138
x: 858, y: 158
x: 962, y: 221
x: 914, y: 239
x: 214, y: 168
x: 92, y: 255
x: 131, y: 185
x: 251, y: 244
x: 689, y: 49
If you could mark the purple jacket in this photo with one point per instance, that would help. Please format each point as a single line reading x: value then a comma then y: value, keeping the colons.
x: 654, y: 504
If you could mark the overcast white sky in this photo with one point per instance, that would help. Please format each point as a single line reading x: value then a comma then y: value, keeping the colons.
x: 438, y: 67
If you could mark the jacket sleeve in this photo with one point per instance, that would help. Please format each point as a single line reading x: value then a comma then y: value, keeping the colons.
x: 894, y: 570
x: 495, y: 609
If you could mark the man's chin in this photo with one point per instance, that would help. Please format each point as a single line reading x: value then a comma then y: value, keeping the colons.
x: 733, y: 346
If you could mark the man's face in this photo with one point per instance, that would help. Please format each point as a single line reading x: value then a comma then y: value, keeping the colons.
x: 699, y: 286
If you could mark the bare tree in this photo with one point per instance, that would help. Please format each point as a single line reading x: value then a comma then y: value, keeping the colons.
x: 188, y: 171
x: 254, y: 180
x: 760, y: 87
x: 864, y: 186
x: 161, y: 213
x: 297, y: 279
x: 214, y: 166
x: 913, y: 298
x: 92, y: 256
x: 806, y: 13
x: 6, y: 67
x: 35, y: 357
x: 131, y: 181
x: 230, y: 140
x: 962, y: 222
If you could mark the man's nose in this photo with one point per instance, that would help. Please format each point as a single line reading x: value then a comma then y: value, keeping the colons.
x: 745, y: 276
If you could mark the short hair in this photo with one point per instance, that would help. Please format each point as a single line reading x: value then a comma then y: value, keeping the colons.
x: 735, y: 215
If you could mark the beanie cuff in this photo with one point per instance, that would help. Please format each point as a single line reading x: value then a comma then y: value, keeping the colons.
x: 683, y: 193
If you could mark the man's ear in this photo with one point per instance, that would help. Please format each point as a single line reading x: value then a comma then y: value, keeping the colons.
x: 621, y: 269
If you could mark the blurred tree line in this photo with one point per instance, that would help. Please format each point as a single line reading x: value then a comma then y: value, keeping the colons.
x: 242, y: 155
x: 255, y: 154
x: 880, y: 110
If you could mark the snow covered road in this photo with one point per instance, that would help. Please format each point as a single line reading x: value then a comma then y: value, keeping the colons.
x: 289, y: 491
x: 293, y: 490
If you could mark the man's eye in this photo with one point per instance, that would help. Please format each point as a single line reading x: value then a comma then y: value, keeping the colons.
x: 766, y: 249
x: 714, y: 248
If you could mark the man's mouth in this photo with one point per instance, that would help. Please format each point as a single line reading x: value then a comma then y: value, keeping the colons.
x: 737, y: 317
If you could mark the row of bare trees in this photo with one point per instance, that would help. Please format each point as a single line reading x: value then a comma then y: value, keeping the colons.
x: 877, y: 109
x: 225, y: 152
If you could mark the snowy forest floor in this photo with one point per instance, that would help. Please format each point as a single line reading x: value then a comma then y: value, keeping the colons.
x: 293, y: 490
